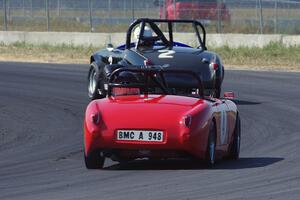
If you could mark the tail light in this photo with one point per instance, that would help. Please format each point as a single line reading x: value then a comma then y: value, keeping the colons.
x: 125, y: 91
x: 147, y: 62
x: 215, y: 66
x: 229, y: 95
x: 96, y: 118
x: 187, y: 121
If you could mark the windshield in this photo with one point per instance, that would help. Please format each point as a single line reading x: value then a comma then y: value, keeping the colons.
x: 156, y: 80
x: 165, y: 34
x: 197, y: 1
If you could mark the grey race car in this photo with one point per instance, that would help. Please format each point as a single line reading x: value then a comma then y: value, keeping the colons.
x: 155, y: 46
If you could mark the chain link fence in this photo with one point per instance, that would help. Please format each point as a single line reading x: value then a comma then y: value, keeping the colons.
x: 222, y: 16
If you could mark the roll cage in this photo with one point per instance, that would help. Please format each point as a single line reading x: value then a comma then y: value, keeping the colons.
x: 154, y: 74
x: 159, y: 33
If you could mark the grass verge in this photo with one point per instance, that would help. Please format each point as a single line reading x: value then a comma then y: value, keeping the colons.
x: 271, y: 57
x: 45, y: 53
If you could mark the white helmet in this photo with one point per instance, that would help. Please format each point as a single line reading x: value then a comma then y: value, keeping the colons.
x: 147, y: 32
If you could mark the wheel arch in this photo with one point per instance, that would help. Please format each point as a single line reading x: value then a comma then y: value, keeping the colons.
x: 92, y: 59
x: 98, y: 59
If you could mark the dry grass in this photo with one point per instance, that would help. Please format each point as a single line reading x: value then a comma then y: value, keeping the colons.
x: 272, y: 57
x: 45, y: 53
x: 268, y: 13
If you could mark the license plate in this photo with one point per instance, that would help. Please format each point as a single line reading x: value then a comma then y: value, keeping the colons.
x: 140, y: 135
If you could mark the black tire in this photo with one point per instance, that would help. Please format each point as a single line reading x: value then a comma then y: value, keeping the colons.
x: 96, y: 83
x: 217, y: 93
x: 211, y: 146
x: 94, y: 160
x: 218, y: 88
x: 236, y: 144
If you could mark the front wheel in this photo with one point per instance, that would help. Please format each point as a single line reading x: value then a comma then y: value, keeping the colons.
x: 217, y: 93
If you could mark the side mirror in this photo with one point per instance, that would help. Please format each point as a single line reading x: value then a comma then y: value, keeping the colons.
x: 109, y: 47
x: 229, y: 95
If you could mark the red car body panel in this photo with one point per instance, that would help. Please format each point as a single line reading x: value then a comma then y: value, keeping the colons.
x: 194, y: 10
x: 159, y: 112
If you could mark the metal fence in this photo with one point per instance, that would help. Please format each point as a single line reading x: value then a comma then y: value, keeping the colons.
x: 226, y: 16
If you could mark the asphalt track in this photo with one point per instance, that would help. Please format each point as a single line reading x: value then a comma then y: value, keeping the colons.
x: 41, y: 111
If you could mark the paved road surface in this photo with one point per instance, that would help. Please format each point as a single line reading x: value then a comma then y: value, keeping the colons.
x: 41, y: 111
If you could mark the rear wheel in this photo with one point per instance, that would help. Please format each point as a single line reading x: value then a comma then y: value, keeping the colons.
x: 218, y: 88
x: 95, y: 83
x: 236, y: 144
x: 94, y: 160
x: 211, y: 146
x: 217, y: 93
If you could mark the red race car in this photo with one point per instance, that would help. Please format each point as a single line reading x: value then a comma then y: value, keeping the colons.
x: 145, y: 117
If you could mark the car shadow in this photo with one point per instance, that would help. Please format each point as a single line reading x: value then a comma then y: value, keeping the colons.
x: 244, y: 102
x: 246, y: 163
x: 242, y: 163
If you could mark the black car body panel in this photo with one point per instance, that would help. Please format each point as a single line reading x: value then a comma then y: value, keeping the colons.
x: 165, y: 53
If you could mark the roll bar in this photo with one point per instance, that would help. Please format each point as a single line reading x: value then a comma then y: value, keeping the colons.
x: 151, y: 73
x: 156, y: 29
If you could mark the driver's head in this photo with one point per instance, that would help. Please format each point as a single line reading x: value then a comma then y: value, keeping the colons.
x: 147, y: 34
